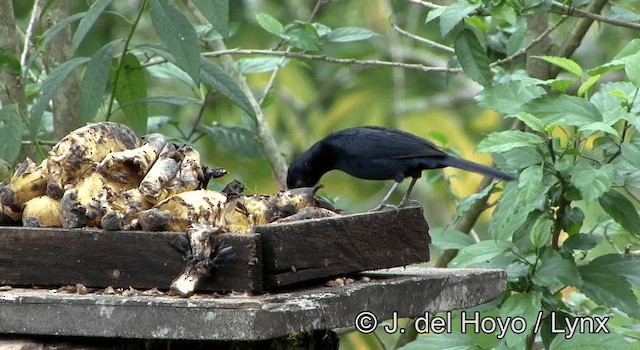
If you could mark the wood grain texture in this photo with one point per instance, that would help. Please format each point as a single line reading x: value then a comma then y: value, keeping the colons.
x: 94, y: 258
x: 304, y: 250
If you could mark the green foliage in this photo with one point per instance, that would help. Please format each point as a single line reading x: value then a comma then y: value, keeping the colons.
x: 10, y: 132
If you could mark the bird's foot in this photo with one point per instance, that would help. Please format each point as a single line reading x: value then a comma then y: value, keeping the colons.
x: 408, y: 203
x: 383, y: 206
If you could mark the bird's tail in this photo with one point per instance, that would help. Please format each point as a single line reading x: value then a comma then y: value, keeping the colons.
x: 477, y: 168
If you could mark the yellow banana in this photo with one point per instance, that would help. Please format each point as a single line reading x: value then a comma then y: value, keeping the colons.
x: 42, y: 211
x: 80, y: 150
x: 29, y: 181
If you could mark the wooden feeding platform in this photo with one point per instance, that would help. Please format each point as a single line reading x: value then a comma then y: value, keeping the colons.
x: 281, y: 270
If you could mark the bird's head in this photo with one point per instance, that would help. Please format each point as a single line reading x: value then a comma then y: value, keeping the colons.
x: 301, y: 174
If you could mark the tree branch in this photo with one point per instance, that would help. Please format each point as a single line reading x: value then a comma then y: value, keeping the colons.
x: 65, y: 102
x: 36, y: 12
x: 264, y: 134
x: 351, y: 61
x: 420, y: 39
x: 592, y: 15
x: 578, y: 32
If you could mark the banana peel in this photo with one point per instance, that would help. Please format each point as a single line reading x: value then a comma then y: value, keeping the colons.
x: 81, y: 149
x: 130, y: 166
x: 85, y: 201
x: 28, y: 181
x: 42, y: 211
x: 161, y: 173
x: 179, y: 211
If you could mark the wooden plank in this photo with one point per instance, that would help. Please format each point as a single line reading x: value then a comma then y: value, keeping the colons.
x: 300, y: 251
x: 94, y: 258
x: 408, y: 292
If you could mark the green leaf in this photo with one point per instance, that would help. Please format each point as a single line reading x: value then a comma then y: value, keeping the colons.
x: 506, y: 140
x: 170, y: 100
x: 479, y: 253
x: 473, y: 57
x: 433, y: 14
x: 87, y: 22
x: 554, y: 109
x: 219, y: 79
x: 347, y: 34
x: 259, y: 64
x: 572, y: 220
x: 48, y: 36
x: 454, y: 14
x: 449, y: 238
x: 217, y: 13
x: 468, y: 201
x: 631, y: 153
x: 9, y: 62
x: 302, y: 35
x: 518, y: 39
x: 444, y: 341
x: 632, y: 48
x: 132, y: 87
x: 11, y: 128
x: 240, y: 141
x: 94, y: 82
x: 604, y: 286
x: 50, y: 87
x: 180, y: 37
x: 540, y: 234
x: 505, y: 12
x: 565, y: 63
x: 518, y: 201
x: 524, y: 305
x: 621, y: 210
x: 588, y: 85
x: 607, y: 67
x: 509, y: 97
x: 554, y: 271
x: 270, y: 24
x: 560, y: 84
x: 632, y: 68
x: 599, y: 126
x: 531, y: 121
x: 591, y: 341
x: 581, y: 241
x: 592, y: 182
x: 622, y: 264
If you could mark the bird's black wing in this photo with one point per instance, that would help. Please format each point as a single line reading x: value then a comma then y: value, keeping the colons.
x: 379, y: 142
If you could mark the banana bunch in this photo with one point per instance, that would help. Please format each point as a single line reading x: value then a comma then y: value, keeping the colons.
x: 227, y: 213
x: 77, y: 152
x: 103, y: 175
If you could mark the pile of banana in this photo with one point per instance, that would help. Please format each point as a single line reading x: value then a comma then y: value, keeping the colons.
x: 102, y: 175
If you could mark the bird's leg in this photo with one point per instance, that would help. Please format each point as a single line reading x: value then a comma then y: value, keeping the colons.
x: 383, y: 202
x: 405, y: 200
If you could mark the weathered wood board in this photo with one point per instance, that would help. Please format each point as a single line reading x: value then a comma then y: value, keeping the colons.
x: 94, y: 258
x: 276, y: 255
x: 407, y: 292
x: 300, y: 251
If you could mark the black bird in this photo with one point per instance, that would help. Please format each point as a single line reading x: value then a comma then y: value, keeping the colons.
x: 377, y: 153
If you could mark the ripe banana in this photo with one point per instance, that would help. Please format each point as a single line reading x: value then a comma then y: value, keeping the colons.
x: 42, y: 211
x: 77, y: 152
x: 130, y: 166
x: 190, y: 175
x: 161, y: 173
x: 29, y: 181
x: 123, y: 211
x: 177, y: 212
x: 85, y: 201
